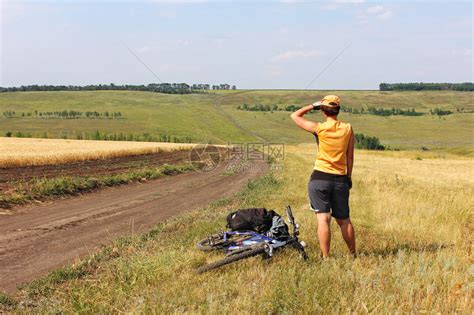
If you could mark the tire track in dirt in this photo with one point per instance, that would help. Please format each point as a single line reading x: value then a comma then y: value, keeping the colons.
x: 39, y: 238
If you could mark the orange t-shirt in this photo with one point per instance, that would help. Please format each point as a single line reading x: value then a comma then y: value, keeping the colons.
x: 333, y: 137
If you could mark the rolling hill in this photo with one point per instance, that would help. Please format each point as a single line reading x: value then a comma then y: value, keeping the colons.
x: 214, y: 117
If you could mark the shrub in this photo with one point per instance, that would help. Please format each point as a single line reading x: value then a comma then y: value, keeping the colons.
x: 440, y: 112
x: 368, y: 143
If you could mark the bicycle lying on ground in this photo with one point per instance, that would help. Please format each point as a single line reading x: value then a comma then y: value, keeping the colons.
x: 239, y: 245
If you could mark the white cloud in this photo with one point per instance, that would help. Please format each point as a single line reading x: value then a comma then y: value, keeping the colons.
x: 379, y: 11
x: 385, y: 15
x: 375, y: 9
x: 292, y: 55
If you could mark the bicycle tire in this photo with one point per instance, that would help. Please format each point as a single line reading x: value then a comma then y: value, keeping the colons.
x: 205, y: 244
x: 231, y: 259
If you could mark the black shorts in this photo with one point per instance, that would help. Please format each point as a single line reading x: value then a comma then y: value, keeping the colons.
x: 329, y: 193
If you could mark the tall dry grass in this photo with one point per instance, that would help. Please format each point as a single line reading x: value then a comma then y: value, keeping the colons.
x: 27, y: 151
x: 412, y: 225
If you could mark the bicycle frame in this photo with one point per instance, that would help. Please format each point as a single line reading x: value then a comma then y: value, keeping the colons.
x: 252, y: 239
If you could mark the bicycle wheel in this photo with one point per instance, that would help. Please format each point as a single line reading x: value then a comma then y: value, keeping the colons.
x: 231, y: 259
x: 216, y: 241
x: 212, y: 242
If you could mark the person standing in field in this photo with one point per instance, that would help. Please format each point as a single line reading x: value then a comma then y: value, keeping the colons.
x: 330, y: 181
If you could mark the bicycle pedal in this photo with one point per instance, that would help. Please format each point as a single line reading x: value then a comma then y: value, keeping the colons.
x: 268, y: 250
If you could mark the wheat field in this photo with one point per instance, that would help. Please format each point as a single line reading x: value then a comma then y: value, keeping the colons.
x: 30, y: 151
x: 412, y: 215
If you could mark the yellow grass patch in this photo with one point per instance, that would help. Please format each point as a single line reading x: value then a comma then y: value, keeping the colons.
x: 27, y: 152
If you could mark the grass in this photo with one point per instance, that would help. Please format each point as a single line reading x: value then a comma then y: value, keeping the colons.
x: 27, y: 152
x: 49, y: 188
x: 144, y: 112
x: 400, y: 132
x: 213, y: 117
x: 462, y: 151
x: 6, y: 301
x: 411, y: 218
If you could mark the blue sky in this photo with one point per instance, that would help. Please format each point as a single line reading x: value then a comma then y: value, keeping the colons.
x: 253, y: 44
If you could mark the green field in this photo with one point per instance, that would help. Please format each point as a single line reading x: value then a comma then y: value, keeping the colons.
x: 213, y: 117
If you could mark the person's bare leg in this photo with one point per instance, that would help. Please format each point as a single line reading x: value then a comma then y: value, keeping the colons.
x: 347, y: 230
x: 324, y: 233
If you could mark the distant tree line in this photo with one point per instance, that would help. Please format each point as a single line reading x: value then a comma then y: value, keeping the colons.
x: 258, y: 108
x: 144, y: 137
x: 362, y: 141
x: 64, y: 114
x: 368, y: 143
x: 420, y: 86
x: 267, y: 108
x: 370, y: 110
x: 224, y: 86
x: 170, y: 88
x: 440, y: 112
x: 381, y: 111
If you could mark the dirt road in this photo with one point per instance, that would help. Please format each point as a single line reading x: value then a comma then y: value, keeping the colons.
x: 39, y: 238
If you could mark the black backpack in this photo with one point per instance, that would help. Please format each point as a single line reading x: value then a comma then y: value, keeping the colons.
x: 253, y: 219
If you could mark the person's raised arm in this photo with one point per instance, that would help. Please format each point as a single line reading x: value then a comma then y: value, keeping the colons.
x: 350, y: 154
x: 303, y: 123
